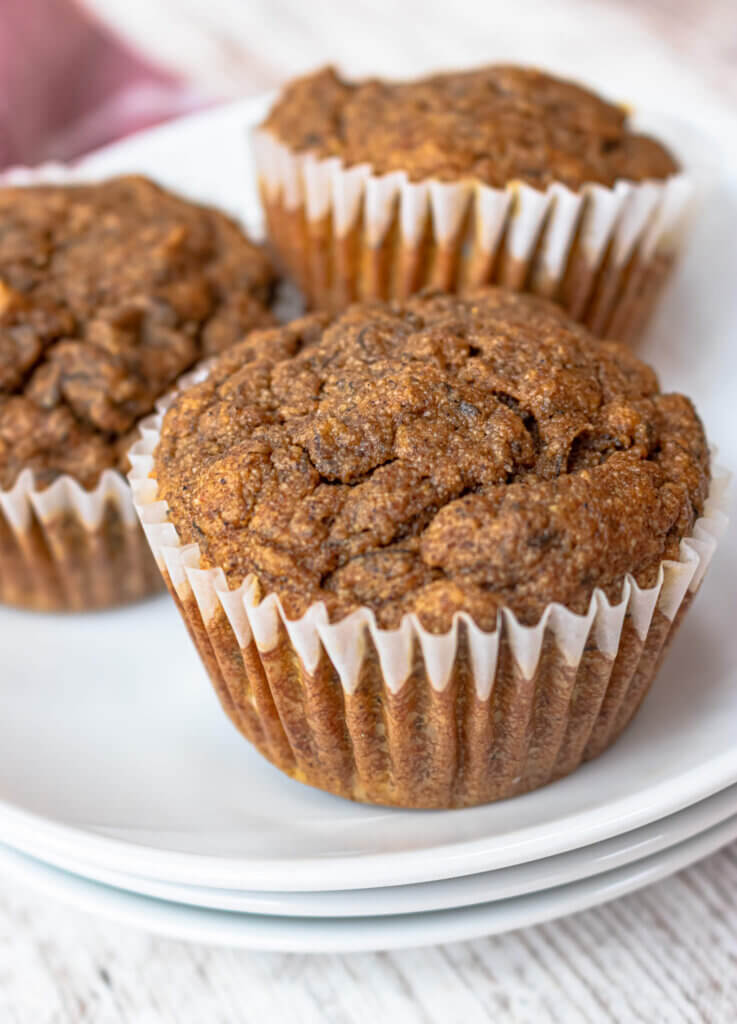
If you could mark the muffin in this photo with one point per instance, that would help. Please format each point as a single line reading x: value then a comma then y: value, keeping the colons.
x: 431, y: 554
x: 502, y: 175
x: 108, y: 292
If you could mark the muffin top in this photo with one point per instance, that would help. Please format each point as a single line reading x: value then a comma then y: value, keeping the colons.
x: 452, y: 453
x: 496, y: 124
x: 108, y: 292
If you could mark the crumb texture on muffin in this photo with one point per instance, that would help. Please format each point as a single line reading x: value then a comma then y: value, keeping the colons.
x: 448, y: 454
x: 108, y: 292
x: 496, y: 124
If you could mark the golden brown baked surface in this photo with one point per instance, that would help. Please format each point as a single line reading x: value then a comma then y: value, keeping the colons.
x: 452, y: 453
x: 498, y: 124
x: 107, y: 294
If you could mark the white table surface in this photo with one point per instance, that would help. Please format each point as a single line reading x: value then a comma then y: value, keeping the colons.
x: 666, y: 954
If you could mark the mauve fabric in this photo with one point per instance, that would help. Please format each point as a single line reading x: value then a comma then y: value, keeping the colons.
x: 68, y: 85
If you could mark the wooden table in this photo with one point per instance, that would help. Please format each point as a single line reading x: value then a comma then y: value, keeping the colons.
x: 667, y: 954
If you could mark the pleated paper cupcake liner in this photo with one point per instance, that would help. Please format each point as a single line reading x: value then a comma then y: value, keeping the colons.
x: 409, y: 718
x: 345, y: 233
x: 67, y: 549
x: 63, y: 548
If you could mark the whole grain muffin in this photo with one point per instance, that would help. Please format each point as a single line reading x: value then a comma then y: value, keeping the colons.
x: 374, y: 189
x: 108, y: 293
x: 497, y: 124
x: 445, y: 470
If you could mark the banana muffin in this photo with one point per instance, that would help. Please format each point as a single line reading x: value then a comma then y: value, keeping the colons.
x: 472, y: 514
x: 108, y: 293
x: 507, y: 174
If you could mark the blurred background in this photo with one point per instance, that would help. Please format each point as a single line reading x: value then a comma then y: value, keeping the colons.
x: 75, y: 74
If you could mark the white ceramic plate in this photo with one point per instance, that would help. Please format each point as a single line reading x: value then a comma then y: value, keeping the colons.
x: 356, y: 934
x: 469, y: 890
x: 113, y: 749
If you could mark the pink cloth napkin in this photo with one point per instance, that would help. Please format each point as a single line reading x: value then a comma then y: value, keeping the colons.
x: 68, y: 85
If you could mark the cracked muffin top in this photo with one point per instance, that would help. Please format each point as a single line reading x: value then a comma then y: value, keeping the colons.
x: 452, y: 453
x: 496, y: 124
x: 108, y: 292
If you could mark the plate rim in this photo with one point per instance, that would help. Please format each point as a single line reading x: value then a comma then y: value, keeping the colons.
x: 646, y: 841
x: 360, y: 934
x: 401, y: 867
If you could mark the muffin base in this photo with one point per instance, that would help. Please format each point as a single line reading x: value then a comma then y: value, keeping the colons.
x: 65, y: 549
x: 419, y: 747
x: 345, y: 234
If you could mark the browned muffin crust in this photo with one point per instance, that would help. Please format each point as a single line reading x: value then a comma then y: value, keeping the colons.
x: 496, y: 124
x: 108, y: 292
x: 452, y: 453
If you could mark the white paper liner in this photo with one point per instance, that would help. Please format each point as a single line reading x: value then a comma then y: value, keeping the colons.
x: 68, y: 549
x: 66, y: 495
x: 344, y: 642
x: 518, y: 235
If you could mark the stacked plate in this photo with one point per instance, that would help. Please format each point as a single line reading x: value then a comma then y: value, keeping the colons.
x: 124, y: 789
x: 129, y: 793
